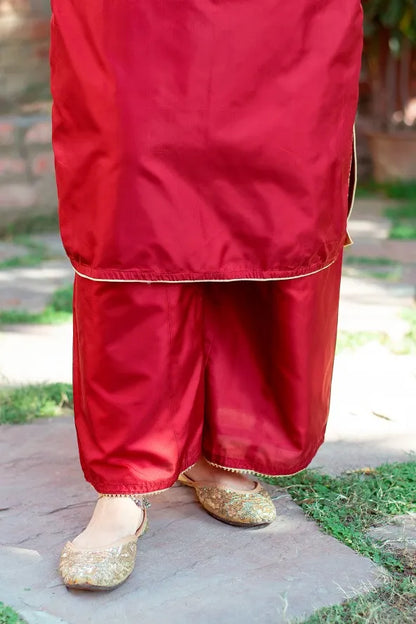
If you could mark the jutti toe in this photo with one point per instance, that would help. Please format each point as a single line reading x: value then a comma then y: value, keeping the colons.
x: 244, y: 508
x: 100, y: 569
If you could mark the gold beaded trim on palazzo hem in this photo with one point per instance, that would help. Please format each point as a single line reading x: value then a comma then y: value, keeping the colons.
x: 143, y: 495
x: 253, y: 472
x: 134, y: 495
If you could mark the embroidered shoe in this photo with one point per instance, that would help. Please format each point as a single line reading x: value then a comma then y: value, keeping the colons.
x: 244, y: 508
x: 102, y: 568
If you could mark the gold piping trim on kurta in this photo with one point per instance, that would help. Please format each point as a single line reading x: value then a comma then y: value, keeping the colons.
x: 190, y: 281
x: 354, y: 189
x: 354, y: 162
x: 250, y: 279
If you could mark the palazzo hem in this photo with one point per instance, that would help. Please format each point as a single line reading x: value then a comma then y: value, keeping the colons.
x: 132, y: 490
x: 241, y: 467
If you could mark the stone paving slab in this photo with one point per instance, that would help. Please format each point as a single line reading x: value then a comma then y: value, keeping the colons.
x: 372, y: 244
x: 40, y: 617
x: 53, y: 243
x: 30, y: 288
x: 35, y: 354
x: 190, y: 567
x: 9, y: 250
x: 372, y: 207
x: 398, y: 536
x: 373, y: 406
x: 369, y: 230
x: 374, y: 306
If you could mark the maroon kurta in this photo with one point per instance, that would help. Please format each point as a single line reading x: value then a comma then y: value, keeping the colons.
x: 202, y: 139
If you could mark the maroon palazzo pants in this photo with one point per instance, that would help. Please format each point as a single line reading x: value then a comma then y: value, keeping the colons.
x: 239, y: 372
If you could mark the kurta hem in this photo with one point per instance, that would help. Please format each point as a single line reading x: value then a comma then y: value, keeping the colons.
x: 145, y: 275
x: 187, y: 153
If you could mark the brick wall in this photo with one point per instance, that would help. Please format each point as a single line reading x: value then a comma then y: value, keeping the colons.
x: 27, y: 182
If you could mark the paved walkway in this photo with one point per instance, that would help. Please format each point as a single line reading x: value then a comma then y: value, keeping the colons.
x: 191, y: 567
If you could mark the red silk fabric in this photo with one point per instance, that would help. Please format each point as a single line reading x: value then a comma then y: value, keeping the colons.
x: 203, y: 139
x: 240, y: 372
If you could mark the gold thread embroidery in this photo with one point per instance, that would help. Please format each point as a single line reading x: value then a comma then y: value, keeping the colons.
x: 253, y: 472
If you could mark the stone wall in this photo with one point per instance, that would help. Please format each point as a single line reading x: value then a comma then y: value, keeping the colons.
x: 27, y: 182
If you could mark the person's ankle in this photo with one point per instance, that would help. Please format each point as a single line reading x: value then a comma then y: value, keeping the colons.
x: 204, y: 471
x: 112, y: 519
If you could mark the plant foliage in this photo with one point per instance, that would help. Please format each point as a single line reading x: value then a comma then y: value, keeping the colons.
x: 396, y: 16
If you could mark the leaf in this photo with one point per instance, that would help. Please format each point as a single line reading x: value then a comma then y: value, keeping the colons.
x: 393, y: 13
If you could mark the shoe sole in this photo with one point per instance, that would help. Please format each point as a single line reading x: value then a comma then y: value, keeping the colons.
x: 246, y: 525
x: 94, y: 587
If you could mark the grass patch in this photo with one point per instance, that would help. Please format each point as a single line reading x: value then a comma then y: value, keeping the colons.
x: 346, y: 507
x: 394, y: 603
x: 30, y: 224
x: 405, y: 345
x: 387, y: 276
x: 37, y: 253
x: 25, y: 403
x: 409, y: 341
x: 403, y: 230
x: 9, y: 616
x: 378, y: 273
x: 59, y: 310
x: 367, y: 188
x: 403, y: 211
x: 354, y: 340
x: 62, y: 299
x: 377, y: 268
x: 366, y: 261
x: 47, y: 317
x: 403, y: 218
x: 400, y: 189
x: 350, y: 341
